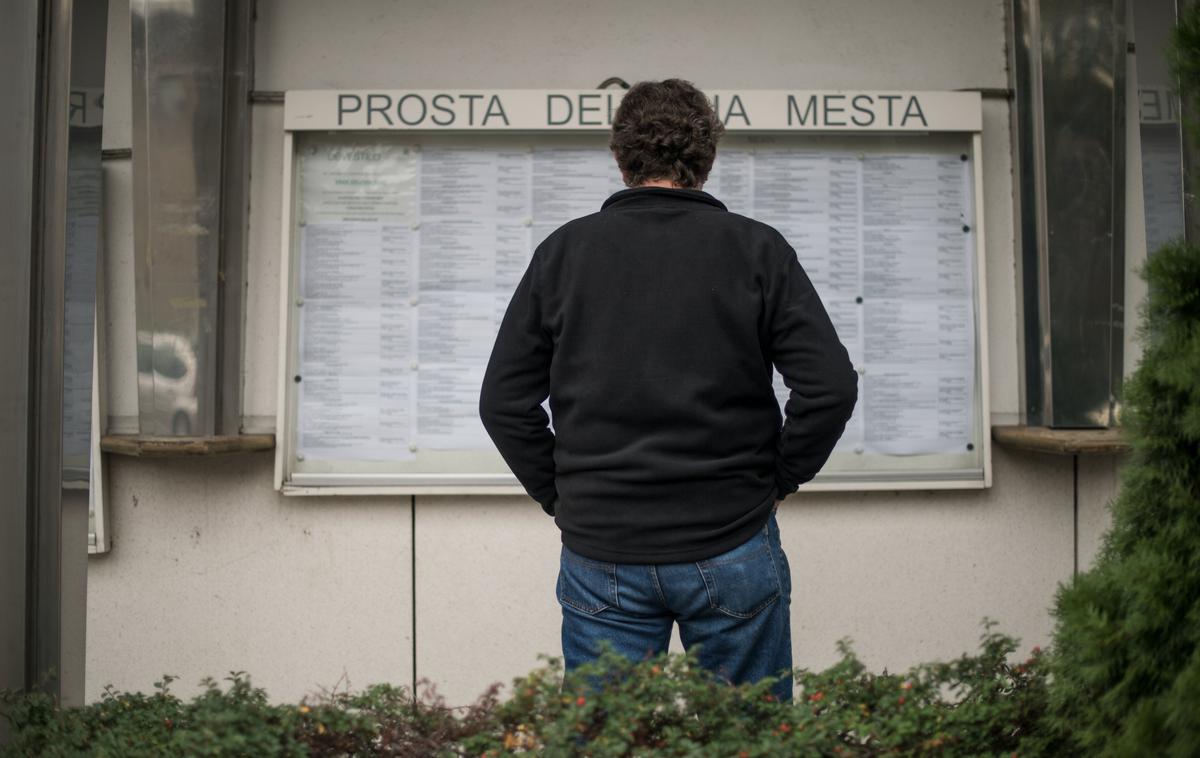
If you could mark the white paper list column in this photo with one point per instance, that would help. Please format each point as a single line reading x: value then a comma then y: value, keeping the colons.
x: 473, y: 234
x: 397, y: 340
x: 514, y: 219
x: 813, y: 199
x: 731, y: 180
x: 919, y: 318
x: 569, y: 183
x: 356, y: 322
x: 354, y: 400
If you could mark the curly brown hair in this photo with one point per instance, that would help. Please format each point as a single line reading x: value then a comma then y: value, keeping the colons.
x: 665, y: 130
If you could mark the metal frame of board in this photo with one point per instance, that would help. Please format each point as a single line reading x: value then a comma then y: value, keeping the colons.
x: 754, y: 112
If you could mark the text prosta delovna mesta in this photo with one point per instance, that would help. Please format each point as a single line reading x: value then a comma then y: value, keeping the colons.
x: 466, y: 109
x: 444, y: 109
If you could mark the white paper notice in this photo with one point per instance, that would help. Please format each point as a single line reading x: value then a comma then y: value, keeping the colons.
x: 364, y: 181
x: 458, y: 254
x: 886, y: 240
x: 458, y: 182
x: 920, y: 380
x: 475, y: 245
x: 918, y: 314
x: 456, y: 332
x: 356, y: 343
x: 1162, y: 184
x: 456, y: 327
x: 731, y: 180
x: 409, y: 257
x: 569, y: 183
x: 915, y: 262
x: 918, y: 189
x: 912, y: 410
x: 356, y: 398
x: 82, y: 250
x: 449, y: 410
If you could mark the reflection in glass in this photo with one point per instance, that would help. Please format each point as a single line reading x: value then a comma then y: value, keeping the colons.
x: 84, y: 206
x: 1158, y: 117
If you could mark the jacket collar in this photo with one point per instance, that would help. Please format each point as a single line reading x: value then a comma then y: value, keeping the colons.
x: 644, y: 196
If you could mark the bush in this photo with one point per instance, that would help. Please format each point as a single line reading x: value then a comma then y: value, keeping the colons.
x: 666, y: 706
x: 1126, y: 653
x: 975, y: 705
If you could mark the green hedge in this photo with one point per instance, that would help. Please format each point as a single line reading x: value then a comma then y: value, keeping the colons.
x: 982, y: 704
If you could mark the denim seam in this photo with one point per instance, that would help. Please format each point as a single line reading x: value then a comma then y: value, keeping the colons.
x: 742, y: 559
x: 708, y: 587
x: 610, y: 573
x: 774, y: 563
x: 582, y: 608
x: 657, y: 586
x: 714, y: 598
x: 750, y: 614
x: 565, y: 599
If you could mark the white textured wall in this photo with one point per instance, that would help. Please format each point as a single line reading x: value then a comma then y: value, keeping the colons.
x: 212, y: 570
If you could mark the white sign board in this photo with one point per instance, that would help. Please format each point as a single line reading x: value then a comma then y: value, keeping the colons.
x: 403, y: 249
x: 525, y: 110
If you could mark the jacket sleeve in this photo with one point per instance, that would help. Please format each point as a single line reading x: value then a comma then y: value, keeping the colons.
x: 515, y: 383
x: 822, y: 381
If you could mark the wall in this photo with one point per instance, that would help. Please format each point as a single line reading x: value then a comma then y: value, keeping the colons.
x: 212, y: 570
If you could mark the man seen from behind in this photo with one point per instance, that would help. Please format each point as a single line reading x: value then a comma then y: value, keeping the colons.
x: 654, y: 326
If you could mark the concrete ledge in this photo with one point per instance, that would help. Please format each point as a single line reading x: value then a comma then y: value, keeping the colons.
x: 1044, y: 439
x: 139, y: 446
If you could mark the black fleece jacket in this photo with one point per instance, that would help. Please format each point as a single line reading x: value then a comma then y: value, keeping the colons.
x: 652, y: 325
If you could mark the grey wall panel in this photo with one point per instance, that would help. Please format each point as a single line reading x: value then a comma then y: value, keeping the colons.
x: 83, y: 212
x: 51, y: 189
x: 19, y: 61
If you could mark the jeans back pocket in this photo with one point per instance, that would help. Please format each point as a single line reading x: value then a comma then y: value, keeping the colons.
x: 744, y: 580
x: 584, y: 584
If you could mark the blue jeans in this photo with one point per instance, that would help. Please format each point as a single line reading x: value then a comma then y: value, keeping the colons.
x: 736, y: 605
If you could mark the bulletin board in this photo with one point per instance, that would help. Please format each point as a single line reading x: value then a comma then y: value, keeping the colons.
x: 410, y: 217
